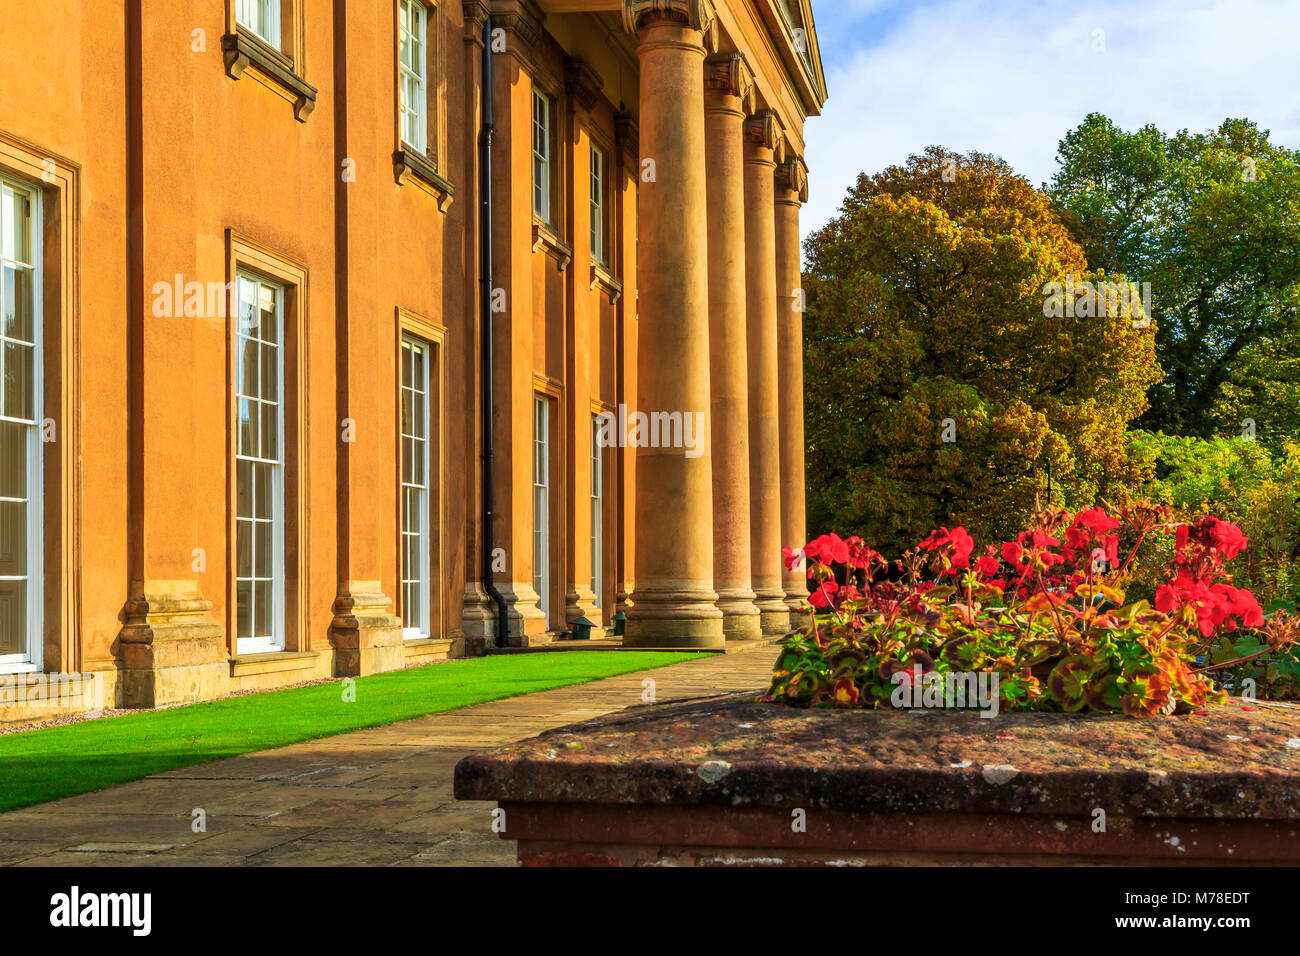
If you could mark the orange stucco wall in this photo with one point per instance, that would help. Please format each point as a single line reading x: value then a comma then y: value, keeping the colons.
x: 178, y: 158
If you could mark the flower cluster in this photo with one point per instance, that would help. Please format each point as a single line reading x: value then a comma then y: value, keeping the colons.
x: 1045, y: 611
x: 1199, y: 591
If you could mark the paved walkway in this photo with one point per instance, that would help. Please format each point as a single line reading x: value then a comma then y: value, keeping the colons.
x: 378, y: 797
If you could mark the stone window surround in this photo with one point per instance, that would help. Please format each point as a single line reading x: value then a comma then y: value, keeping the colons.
x: 558, y: 489
x: 246, y: 255
x: 58, y: 181
x: 411, y: 165
x: 434, y: 334
x: 281, y: 70
x: 603, y: 276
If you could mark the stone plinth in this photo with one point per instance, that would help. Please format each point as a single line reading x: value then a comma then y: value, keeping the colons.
x: 729, y: 781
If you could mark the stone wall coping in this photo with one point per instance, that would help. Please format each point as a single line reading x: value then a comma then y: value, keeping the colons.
x: 1237, y: 761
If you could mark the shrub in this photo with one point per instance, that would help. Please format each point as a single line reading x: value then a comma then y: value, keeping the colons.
x: 1045, y: 612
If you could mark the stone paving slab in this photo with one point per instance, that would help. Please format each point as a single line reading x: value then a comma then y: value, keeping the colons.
x: 376, y: 797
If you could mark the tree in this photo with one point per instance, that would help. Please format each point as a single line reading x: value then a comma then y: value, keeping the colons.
x: 1212, y: 222
x: 938, y: 388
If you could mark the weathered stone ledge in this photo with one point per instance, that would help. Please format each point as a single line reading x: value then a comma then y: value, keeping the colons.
x: 729, y: 773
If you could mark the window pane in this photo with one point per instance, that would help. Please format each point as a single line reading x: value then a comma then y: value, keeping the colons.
x: 246, y: 377
x: 263, y: 491
x: 271, y: 432
x: 417, y: 369
x: 260, y: 16
x: 13, y: 460
x: 8, y: 221
x: 243, y: 489
x: 244, y: 608
x: 243, y: 549
x: 247, y: 423
x: 269, y: 366
x: 13, y: 617
x: 18, y: 397
x: 263, y: 550
x: 13, y: 538
x: 17, y: 304
x: 15, y: 225
x: 268, y: 301
x: 263, y: 609
x: 417, y: 418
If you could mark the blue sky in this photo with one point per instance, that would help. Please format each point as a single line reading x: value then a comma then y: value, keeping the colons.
x: 1011, y: 77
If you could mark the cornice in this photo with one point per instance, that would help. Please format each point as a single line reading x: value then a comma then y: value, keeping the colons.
x: 627, y: 135
x: 521, y: 20
x: 583, y: 82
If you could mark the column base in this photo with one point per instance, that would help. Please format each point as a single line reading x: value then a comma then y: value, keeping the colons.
x: 622, y: 602
x: 797, y: 602
x: 774, y: 613
x: 741, y: 619
x: 676, y: 619
x: 169, y: 652
x: 479, y: 614
x: 581, y: 602
x: 366, y: 638
x: 528, y: 625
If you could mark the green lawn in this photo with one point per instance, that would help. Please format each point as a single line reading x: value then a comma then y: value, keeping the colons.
x: 40, y: 765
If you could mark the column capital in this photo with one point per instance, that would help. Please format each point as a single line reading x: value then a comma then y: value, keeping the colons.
x: 792, y: 177
x: 730, y: 75
x: 695, y: 14
x: 763, y: 129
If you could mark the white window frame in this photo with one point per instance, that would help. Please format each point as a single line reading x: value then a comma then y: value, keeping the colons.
x: 419, y: 581
x: 542, y: 503
x: 32, y: 657
x: 248, y: 12
x: 275, y: 641
x: 598, y: 250
x: 413, y: 27
x: 597, y: 511
x: 542, y: 156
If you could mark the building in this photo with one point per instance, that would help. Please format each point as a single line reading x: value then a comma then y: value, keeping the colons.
x: 241, y: 439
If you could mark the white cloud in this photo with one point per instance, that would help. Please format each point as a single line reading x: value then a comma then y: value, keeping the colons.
x: 1011, y: 78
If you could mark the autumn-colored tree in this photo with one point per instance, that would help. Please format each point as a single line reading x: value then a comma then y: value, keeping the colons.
x: 941, y: 381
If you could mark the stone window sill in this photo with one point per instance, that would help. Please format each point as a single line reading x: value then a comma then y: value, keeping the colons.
x: 409, y: 165
x: 272, y: 663
x: 544, y: 237
x: 603, y: 279
x: 242, y: 50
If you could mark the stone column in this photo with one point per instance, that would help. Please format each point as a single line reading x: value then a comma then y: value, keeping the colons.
x: 673, y: 604
x: 762, y: 144
x: 791, y: 191
x: 728, y: 85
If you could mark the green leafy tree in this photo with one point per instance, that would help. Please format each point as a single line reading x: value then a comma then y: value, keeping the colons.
x: 938, y: 389
x: 1241, y: 481
x: 1212, y: 222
